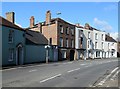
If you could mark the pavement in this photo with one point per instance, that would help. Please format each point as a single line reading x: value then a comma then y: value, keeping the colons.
x: 81, y: 73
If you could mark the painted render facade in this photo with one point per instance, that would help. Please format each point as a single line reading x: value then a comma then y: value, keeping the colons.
x: 13, y: 42
x: 92, y: 43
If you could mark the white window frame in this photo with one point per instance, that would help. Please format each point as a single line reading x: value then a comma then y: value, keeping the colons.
x: 67, y: 30
x: 88, y: 35
x: 61, y: 42
x: 72, y: 31
x: 102, y: 37
x: 72, y: 43
x: 96, y: 36
x: 88, y: 44
x: 96, y: 45
x: 102, y: 44
x: 10, y: 36
x: 61, y: 29
x: 80, y: 33
x: 67, y: 42
x: 11, y: 54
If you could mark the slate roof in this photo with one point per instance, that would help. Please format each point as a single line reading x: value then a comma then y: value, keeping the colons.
x: 5, y: 22
x: 110, y: 39
x: 33, y: 37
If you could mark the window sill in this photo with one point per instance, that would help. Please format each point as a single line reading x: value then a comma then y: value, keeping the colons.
x: 10, y: 60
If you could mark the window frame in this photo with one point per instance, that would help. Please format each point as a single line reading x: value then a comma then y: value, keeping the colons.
x: 11, y: 36
x: 61, y: 29
x: 61, y: 42
x: 11, y: 54
x: 67, y: 42
x: 88, y: 35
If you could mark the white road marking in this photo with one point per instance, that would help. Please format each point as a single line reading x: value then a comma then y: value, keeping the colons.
x: 33, y: 70
x: 86, y: 66
x: 68, y: 63
x: 103, y: 81
x: 82, y: 64
x: 115, y: 75
x: 73, y: 70
x: 50, y: 78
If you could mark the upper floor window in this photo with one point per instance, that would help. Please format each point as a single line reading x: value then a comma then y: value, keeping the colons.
x: 102, y: 37
x: 88, y: 44
x: 72, y: 31
x: 102, y: 45
x: 80, y: 33
x: 96, y: 45
x: 72, y: 43
x: 67, y: 42
x: 61, y: 29
x: 10, y: 37
x: 96, y: 36
x: 88, y: 35
x: 108, y: 46
x: 11, y: 54
x: 112, y: 44
x: 67, y: 30
x: 61, y: 42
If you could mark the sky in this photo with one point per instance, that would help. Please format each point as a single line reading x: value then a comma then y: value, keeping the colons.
x: 101, y: 15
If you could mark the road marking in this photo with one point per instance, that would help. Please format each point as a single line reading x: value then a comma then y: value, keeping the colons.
x: 82, y: 64
x: 103, y: 81
x: 86, y: 66
x: 68, y: 63
x: 73, y: 70
x: 115, y: 75
x: 33, y: 70
x: 50, y: 78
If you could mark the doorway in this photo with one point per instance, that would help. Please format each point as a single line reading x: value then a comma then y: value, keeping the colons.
x: 19, y: 55
x: 72, y: 55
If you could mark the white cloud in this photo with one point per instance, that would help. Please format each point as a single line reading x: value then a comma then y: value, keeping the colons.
x: 103, y: 25
x: 18, y: 24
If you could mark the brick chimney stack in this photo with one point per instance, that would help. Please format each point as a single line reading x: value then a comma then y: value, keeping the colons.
x: 32, y: 19
x: 48, y: 17
x: 10, y: 16
x: 40, y: 27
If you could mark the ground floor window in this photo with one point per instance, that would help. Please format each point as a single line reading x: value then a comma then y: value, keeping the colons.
x: 11, y: 54
x: 97, y: 53
x: 112, y: 53
x: 64, y: 54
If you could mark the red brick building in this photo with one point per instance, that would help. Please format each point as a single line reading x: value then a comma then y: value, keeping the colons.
x: 59, y: 33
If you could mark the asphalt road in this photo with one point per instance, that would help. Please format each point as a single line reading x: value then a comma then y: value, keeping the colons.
x: 61, y: 74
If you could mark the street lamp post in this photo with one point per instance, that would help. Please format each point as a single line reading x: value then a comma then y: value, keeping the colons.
x: 47, y: 53
x: 48, y: 46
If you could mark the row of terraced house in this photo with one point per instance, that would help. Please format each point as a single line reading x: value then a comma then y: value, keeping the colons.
x: 52, y: 40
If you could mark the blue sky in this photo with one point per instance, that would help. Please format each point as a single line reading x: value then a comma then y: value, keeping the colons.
x: 101, y: 15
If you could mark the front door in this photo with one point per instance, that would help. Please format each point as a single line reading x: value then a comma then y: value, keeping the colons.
x: 19, y: 57
x: 72, y: 55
